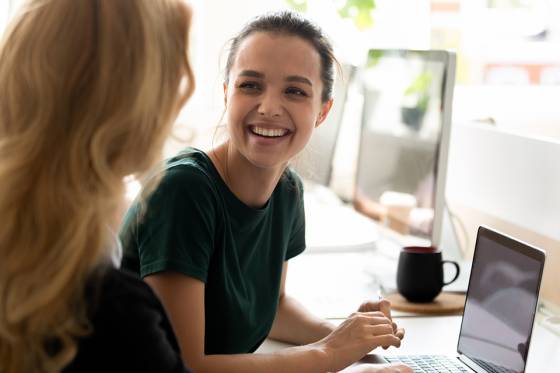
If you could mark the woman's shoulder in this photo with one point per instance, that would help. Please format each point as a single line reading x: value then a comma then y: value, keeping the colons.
x: 130, y: 330
x: 117, y: 288
x: 292, y: 175
x: 110, y: 276
x: 291, y: 182
x: 190, y: 172
x: 118, y: 299
x: 189, y: 166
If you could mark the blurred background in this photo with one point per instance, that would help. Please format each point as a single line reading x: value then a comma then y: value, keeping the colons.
x: 503, y: 167
x: 508, y: 51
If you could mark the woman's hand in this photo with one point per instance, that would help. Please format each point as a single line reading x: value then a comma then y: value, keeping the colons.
x: 379, y: 368
x: 384, y: 306
x: 356, y: 336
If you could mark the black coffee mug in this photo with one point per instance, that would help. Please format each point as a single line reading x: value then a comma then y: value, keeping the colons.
x: 420, y: 273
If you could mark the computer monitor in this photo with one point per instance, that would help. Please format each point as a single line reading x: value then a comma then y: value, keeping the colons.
x: 316, y: 162
x: 406, y: 121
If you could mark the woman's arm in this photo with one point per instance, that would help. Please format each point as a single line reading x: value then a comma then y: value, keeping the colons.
x: 293, y: 323
x: 183, y: 299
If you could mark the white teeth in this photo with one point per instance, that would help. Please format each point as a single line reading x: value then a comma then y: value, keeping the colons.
x: 269, y: 132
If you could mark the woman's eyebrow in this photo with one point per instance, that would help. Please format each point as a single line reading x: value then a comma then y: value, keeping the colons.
x: 291, y: 78
x: 252, y: 74
x: 299, y: 79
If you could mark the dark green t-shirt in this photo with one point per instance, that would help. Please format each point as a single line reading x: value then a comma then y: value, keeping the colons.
x: 196, y: 226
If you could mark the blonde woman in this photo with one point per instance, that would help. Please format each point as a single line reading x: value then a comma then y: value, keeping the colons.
x: 88, y: 93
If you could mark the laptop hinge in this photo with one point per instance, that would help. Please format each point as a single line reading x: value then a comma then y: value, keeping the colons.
x: 471, y: 364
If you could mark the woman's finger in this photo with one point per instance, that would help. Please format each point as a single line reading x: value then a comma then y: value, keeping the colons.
x: 385, y: 307
x: 386, y: 340
x: 379, y: 329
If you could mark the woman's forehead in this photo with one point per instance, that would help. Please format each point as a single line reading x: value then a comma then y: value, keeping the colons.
x: 278, y: 54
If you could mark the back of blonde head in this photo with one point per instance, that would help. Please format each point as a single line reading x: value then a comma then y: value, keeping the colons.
x: 88, y: 93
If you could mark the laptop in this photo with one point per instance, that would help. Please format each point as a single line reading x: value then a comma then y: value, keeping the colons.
x: 499, y: 313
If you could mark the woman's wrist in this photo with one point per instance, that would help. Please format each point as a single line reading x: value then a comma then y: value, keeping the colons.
x: 326, y: 328
x: 323, y: 355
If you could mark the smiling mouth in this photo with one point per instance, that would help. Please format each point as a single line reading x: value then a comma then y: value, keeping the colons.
x: 267, y: 132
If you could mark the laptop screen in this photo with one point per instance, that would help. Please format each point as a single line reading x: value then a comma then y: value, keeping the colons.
x: 501, y: 302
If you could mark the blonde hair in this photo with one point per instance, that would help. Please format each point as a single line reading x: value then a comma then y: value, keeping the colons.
x: 89, y: 90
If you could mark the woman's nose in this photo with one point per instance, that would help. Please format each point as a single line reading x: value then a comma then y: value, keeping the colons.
x: 270, y: 105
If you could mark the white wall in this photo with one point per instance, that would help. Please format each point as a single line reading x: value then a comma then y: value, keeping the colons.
x: 526, y: 110
x: 510, y: 183
x: 515, y: 178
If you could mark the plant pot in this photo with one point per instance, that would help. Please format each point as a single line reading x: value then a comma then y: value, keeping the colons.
x: 412, y: 117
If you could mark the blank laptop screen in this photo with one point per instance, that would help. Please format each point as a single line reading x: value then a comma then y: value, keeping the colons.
x: 501, y: 303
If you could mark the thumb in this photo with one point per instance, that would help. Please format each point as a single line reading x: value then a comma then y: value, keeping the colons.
x: 385, y: 308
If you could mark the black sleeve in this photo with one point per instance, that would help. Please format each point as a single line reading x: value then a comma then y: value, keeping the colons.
x: 131, y: 332
x: 297, y: 243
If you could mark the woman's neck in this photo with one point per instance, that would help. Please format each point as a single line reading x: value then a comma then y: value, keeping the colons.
x: 251, y: 184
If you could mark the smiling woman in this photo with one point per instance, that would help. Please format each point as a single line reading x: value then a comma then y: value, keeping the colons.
x: 215, y: 238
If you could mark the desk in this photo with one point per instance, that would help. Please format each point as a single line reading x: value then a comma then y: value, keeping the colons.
x: 414, y: 342
x: 332, y: 284
x: 439, y: 335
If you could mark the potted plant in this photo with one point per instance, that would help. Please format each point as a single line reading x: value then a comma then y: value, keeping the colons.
x: 416, y: 100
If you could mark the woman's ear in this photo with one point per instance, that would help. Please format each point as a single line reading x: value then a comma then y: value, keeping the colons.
x: 225, y: 93
x: 325, y: 108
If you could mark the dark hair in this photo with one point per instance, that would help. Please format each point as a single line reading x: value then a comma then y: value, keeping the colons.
x: 290, y: 24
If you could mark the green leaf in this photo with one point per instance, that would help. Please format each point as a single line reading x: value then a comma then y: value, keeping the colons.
x: 363, y: 20
x: 359, y: 11
x: 298, y: 5
x: 420, y: 84
x: 420, y: 88
x: 373, y: 57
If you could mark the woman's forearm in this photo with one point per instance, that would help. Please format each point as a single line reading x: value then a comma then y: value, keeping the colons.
x: 305, y: 359
x: 295, y: 324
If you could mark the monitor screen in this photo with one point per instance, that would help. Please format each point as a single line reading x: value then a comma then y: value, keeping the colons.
x: 501, y: 303
x: 404, y: 137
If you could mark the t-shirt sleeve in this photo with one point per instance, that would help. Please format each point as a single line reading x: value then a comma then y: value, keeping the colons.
x: 297, y: 244
x: 178, y: 230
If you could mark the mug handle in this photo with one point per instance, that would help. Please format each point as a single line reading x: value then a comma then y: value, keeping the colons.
x: 456, y: 272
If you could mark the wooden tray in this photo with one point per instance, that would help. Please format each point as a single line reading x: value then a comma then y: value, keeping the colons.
x: 444, y: 304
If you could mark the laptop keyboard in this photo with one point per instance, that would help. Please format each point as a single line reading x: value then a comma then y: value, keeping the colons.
x: 441, y: 363
x: 430, y: 363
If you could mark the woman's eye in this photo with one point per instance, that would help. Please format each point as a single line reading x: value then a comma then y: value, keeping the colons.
x: 296, y: 92
x: 249, y: 86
